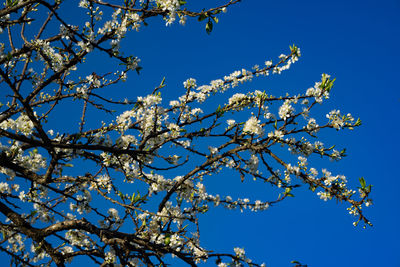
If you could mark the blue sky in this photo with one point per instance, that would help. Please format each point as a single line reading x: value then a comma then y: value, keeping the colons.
x: 354, y: 41
x: 357, y: 43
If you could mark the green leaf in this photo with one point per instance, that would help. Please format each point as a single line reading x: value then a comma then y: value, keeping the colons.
x: 358, y: 122
x: 33, y: 213
x: 9, y: 56
x: 219, y: 112
x: 162, y: 84
x: 288, y: 192
x: 209, y: 27
x: 215, y: 19
x: 138, y: 69
x: 167, y: 240
x: 294, y: 49
x: 362, y: 182
x: 368, y: 189
x: 11, y: 3
x: 202, y: 17
x: 137, y: 198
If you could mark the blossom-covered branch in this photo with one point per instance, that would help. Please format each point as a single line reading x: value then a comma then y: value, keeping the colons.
x: 149, y: 165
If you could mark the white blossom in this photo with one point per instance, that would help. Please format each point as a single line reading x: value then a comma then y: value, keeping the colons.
x: 252, y: 126
x: 239, y: 252
x: 286, y: 110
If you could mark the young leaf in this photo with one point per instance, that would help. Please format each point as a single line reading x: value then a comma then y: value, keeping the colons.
x: 209, y: 27
x: 202, y: 17
x: 362, y: 182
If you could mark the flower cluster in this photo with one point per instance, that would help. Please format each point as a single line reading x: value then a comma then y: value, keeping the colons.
x: 171, y: 6
x: 252, y: 126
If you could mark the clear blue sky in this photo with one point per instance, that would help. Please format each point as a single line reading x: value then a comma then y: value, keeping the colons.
x: 354, y: 41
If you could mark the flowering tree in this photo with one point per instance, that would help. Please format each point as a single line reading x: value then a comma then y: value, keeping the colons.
x: 127, y: 191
